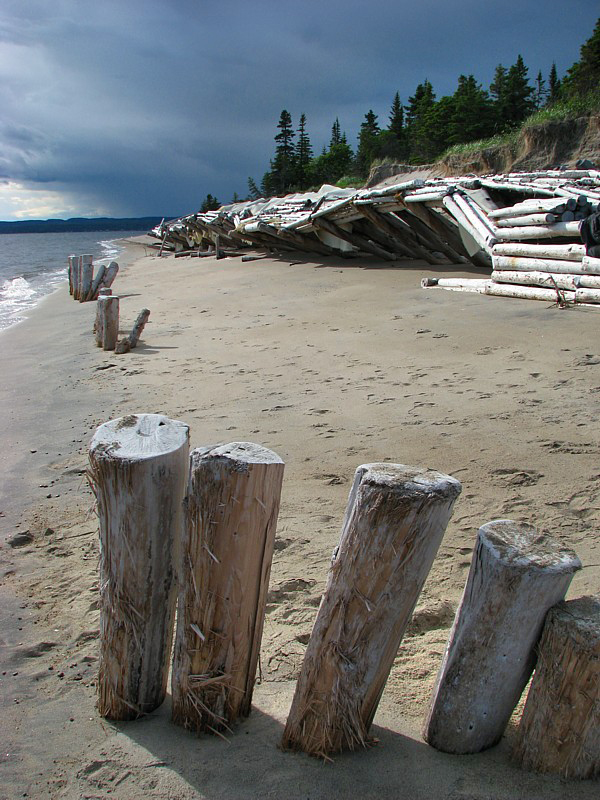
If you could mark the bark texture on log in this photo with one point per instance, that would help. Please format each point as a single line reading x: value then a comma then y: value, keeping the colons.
x: 560, y: 727
x: 129, y: 342
x: 108, y: 321
x: 138, y: 470
x: 225, y: 564
x: 516, y: 576
x: 395, y: 520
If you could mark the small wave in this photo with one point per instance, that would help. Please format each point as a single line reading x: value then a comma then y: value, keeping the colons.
x: 16, y: 290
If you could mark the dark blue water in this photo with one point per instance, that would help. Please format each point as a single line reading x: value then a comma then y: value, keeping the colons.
x: 34, y: 264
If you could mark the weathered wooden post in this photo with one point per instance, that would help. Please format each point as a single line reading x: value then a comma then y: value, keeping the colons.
x: 107, y: 326
x: 225, y: 563
x: 97, y: 282
x: 98, y: 323
x: 129, y: 342
x: 138, y: 471
x: 516, y: 576
x: 87, y: 275
x: 560, y: 727
x: 73, y: 262
x: 395, y: 521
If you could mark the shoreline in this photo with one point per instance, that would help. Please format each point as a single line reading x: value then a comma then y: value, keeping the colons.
x: 331, y: 364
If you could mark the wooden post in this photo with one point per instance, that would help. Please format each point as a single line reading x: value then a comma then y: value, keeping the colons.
x: 107, y: 326
x: 560, y: 727
x: 73, y: 262
x: 232, y: 508
x: 87, y: 275
x: 97, y: 283
x: 394, y: 523
x: 107, y: 279
x: 138, y: 470
x: 129, y: 342
x: 516, y: 576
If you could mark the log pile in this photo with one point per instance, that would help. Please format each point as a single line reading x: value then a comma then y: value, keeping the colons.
x: 524, y: 227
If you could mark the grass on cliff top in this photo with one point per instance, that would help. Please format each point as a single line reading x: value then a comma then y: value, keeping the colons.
x: 571, y: 108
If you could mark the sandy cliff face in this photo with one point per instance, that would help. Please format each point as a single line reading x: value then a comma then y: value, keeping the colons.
x: 539, y: 147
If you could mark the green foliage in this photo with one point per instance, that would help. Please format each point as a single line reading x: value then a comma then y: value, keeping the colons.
x: 367, y: 142
x: 584, y: 76
x: 329, y: 166
x: 303, y: 154
x: 210, y: 203
x: 253, y: 190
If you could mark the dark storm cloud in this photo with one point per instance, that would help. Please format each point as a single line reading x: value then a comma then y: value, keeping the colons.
x: 145, y: 106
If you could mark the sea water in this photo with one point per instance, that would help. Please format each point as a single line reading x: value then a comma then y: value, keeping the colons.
x: 33, y: 265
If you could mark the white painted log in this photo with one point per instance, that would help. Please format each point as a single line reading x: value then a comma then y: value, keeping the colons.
x: 591, y: 264
x: 129, y: 342
x: 528, y: 219
x: 528, y: 292
x: 108, y: 321
x: 138, y: 470
x: 539, y: 232
x: 97, y: 282
x: 516, y: 575
x: 232, y: 507
x: 73, y: 262
x: 587, y: 296
x: 501, y: 185
x: 560, y: 252
x: 394, y: 523
x: 547, y: 279
x: 426, y: 197
x: 481, y: 237
x: 518, y: 263
x: 551, y: 205
x: 477, y: 217
x: 462, y: 283
x: 559, y: 730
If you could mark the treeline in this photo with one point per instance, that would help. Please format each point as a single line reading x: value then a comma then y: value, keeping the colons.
x: 426, y: 126
x: 76, y: 224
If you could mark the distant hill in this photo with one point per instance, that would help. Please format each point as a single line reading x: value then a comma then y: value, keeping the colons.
x: 81, y: 224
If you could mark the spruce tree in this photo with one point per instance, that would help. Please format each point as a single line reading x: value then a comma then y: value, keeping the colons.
x: 335, y: 134
x: 367, y: 143
x: 553, y: 85
x: 253, y: 190
x: 396, y: 118
x: 283, y: 166
x: 471, y: 115
x: 420, y: 123
x: 540, y: 91
x: 303, y: 153
x: 584, y: 75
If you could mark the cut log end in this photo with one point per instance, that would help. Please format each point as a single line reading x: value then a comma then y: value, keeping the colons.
x: 139, y: 436
x: 520, y: 543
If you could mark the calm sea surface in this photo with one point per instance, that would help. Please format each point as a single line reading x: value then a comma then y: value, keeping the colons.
x: 34, y: 264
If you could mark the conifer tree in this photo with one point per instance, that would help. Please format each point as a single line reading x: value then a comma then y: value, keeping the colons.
x: 396, y: 118
x: 303, y: 153
x: 584, y: 75
x: 420, y: 122
x: 540, y: 91
x: 210, y: 203
x: 335, y: 134
x: 553, y: 85
x: 367, y: 142
x: 470, y: 115
x: 253, y: 190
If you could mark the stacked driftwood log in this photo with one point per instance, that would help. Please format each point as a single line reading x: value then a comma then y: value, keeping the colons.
x: 203, y: 529
x: 86, y: 282
x: 523, y: 227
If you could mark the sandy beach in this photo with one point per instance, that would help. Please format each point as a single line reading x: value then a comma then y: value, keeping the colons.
x: 331, y: 364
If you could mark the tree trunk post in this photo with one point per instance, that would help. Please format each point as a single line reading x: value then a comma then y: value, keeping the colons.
x: 97, y: 283
x: 87, y: 276
x: 560, y: 728
x: 395, y: 520
x: 516, y: 575
x: 138, y: 470
x: 129, y: 342
x: 73, y: 262
x: 107, y: 327
x: 232, y: 507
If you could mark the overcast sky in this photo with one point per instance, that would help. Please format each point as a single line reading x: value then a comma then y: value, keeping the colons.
x: 142, y: 107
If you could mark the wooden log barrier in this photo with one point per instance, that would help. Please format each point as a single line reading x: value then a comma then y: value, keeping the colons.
x: 559, y: 730
x: 394, y: 523
x: 138, y: 471
x: 97, y: 283
x: 228, y: 542
x: 73, y: 262
x: 516, y: 576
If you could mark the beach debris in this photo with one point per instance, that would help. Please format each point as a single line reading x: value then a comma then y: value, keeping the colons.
x: 138, y: 472
x: 559, y: 729
x: 21, y: 539
x: 228, y: 541
x: 129, y: 342
x: 394, y: 523
x: 516, y: 576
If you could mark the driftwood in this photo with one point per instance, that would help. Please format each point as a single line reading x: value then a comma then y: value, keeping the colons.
x: 138, y: 470
x: 73, y: 264
x: 87, y: 275
x: 519, y: 263
x: 559, y: 730
x: 395, y: 521
x: 232, y: 507
x: 561, y: 252
x: 516, y: 576
x: 129, y: 342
